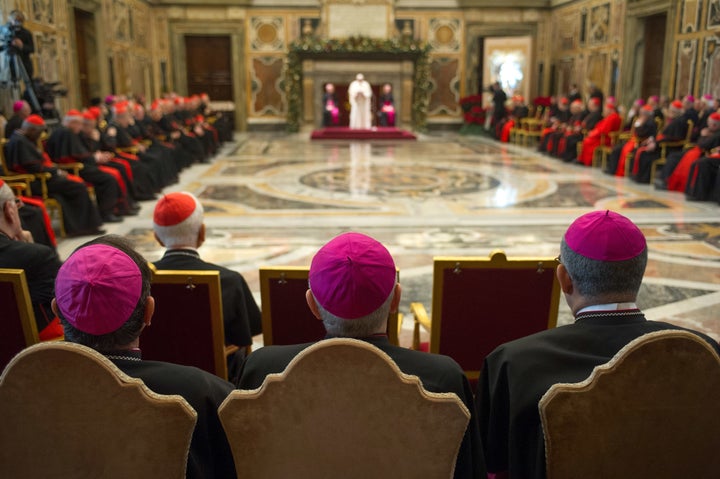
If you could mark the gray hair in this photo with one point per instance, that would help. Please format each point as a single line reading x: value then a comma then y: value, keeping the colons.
x: 373, y: 323
x: 184, y: 233
x: 603, y: 280
x: 6, y: 194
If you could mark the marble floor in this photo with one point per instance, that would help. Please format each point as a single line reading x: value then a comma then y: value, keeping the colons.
x: 274, y: 199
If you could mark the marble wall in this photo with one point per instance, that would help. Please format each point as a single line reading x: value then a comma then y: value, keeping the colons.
x: 140, y: 45
x: 130, y: 45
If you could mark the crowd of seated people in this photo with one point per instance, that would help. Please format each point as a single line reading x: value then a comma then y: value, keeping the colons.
x: 103, y: 299
x: 675, y: 145
x: 97, y: 164
x: 127, y: 151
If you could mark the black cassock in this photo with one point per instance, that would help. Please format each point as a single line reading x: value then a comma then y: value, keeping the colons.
x: 80, y: 215
x: 517, y: 374
x: 210, y: 455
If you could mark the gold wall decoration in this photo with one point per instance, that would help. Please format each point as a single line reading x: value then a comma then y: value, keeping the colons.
x: 690, y: 16
x: 43, y: 11
x: 711, y: 67
x: 599, y: 24
x: 267, y: 33
x: 713, y: 18
x: 685, y: 68
x: 444, y: 95
x: 268, y: 98
x: 121, y: 20
x: 444, y: 35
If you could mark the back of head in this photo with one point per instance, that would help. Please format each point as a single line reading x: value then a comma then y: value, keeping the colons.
x: 352, y: 279
x: 100, y: 293
x: 177, y: 220
x: 605, y: 254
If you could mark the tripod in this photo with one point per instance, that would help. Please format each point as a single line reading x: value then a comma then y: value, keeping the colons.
x: 17, y: 66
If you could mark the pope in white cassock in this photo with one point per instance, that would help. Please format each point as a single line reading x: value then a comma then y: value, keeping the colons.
x: 360, y: 94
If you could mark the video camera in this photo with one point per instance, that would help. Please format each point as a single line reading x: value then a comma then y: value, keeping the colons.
x: 7, y: 33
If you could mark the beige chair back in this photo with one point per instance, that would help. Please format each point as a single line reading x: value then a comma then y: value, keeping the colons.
x: 342, y: 408
x: 68, y: 412
x: 653, y: 411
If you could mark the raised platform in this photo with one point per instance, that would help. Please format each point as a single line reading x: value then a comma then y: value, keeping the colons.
x: 379, y: 133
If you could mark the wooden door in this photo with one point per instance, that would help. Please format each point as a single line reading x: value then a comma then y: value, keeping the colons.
x: 653, y: 62
x: 86, y: 48
x: 209, y: 67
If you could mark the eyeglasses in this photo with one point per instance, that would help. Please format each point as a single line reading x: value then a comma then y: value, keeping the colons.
x: 19, y: 203
x: 558, y: 259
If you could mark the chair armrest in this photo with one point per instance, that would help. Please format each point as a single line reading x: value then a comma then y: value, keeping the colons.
x: 231, y: 349
x: 420, y: 318
x: 19, y: 183
x: 133, y: 150
x: 73, y: 168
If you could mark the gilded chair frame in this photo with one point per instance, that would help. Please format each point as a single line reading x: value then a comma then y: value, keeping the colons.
x: 17, y: 278
x: 497, y: 260
x: 189, y: 280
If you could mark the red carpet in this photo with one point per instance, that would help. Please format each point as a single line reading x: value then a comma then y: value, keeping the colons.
x: 379, y: 133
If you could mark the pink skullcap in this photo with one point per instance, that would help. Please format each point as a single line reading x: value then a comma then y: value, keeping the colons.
x: 109, y: 99
x: 605, y: 236
x: 17, y: 106
x: 34, y: 121
x: 97, y: 289
x: 690, y: 98
x: 352, y: 275
x: 174, y: 208
x: 676, y: 104
x: 707, y: 97
x: 640, y: 102
x: 610, y: 100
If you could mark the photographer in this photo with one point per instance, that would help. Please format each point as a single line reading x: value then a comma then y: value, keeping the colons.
x: 17, y: 41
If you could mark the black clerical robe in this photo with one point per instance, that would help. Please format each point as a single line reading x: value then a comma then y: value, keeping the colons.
x: 80, y: 216
x: 517, y: 374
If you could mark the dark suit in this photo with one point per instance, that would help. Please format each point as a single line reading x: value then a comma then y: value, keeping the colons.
x: 241, y: 314
x: 438, y: 374
x: 41, y: 264
x: 518, y: 373
x: 210, y: 456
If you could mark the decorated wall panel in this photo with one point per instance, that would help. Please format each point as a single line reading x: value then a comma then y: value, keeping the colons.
x: 588, y: 35
x: 697, y: 61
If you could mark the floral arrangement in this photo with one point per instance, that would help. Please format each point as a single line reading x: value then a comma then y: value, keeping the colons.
x: 312, y: 47
x: 473, y: 115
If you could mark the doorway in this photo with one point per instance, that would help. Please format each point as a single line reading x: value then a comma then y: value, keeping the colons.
x: 86, y: 45
x: 209, y: 73
x: 655, y: 26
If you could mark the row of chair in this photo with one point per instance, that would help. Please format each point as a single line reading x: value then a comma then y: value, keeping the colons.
x: 478, y: 304
x: 67, y: 411
x: 532, y: 127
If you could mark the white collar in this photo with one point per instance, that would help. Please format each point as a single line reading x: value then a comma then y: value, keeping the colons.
x: 608, y: 307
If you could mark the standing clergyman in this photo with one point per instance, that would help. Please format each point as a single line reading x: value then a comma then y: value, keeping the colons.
x: 360, y: 94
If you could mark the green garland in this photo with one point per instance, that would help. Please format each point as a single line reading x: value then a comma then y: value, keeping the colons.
x: 369, y: 48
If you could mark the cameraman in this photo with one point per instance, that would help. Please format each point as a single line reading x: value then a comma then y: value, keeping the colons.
x: 17, y: 40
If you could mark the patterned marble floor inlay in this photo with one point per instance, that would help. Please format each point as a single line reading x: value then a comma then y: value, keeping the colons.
x: 274, y: 199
